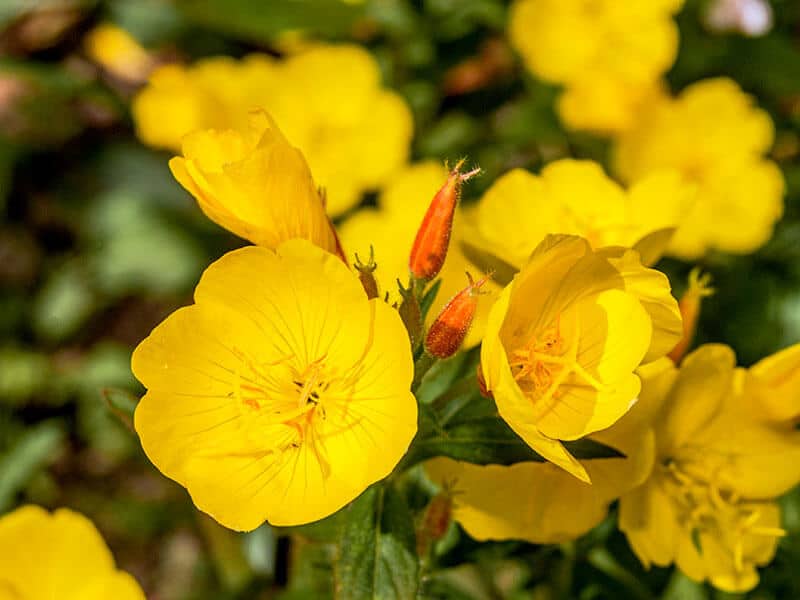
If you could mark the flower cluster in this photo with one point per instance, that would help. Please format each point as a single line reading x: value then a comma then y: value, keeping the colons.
x: 608, y: 55
x: 714, y: 137
x: 303, y: 93
x: 394, y: 340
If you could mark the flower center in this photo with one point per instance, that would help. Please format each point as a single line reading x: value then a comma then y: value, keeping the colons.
x: 281, y: 393
x: 547, y: 362
x: 721, y: 514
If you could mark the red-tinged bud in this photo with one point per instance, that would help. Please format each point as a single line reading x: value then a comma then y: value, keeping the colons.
x: 435, y: 521
x: 689, y: 304
x: 366, y: 274
x: 433, y: 236
x: 448, y: 331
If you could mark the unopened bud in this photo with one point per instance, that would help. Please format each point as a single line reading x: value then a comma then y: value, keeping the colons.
x: 448, y: 331
x: 435, y: 521
x: 366, y: 274
x: 689, y: 304
x: 411, y: 314
x: 433, y: 236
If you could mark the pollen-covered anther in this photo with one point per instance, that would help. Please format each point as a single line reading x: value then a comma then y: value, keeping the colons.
x: 547, y: 362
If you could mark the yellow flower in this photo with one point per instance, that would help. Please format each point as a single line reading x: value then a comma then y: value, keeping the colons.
x: 281, y: 394
x: 577, y: 197
x: 390, y: 230
x: 327, y: 99
x: 708, y: 504
x: 774, y: 383
x: 59, y: 555
x: 608, y: 54
x: 564, y: 338
x: 119, y: 52
x: 604, y: 105
x: 541, y: 503
x: 254, y: 184
x: 714, y: 136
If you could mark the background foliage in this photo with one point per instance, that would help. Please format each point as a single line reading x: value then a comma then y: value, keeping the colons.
x: 98, y: 244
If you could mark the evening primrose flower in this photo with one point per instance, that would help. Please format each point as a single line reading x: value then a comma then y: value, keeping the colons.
x: 577, y: 197
x: 564, y: 338
x: 255, y: 184
x: 328, y: 99
x: 391, y: 229
x: 281, y: 394
x: 58, y: 555
x: 715, y: 137
x: 708, y: 505
x: 607, y: 54
x: 550, y: 505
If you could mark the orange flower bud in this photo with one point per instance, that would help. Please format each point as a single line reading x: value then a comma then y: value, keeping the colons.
x: 448, y: 331
x: 433, y: 236
x: 689, y: 305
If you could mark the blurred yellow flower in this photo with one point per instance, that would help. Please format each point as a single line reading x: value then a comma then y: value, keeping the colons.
x: 327, y: 99
x: 541, y: 503
x: 714, y: 136
x: 607, y: 54
x: 119, y: 52
x: 253, y: 183
x: 58, y: 555
x: 577, y: 197
x: 564, y: 338
x: 281, y: 394
x: 708, y: 504
x: 774, y: 384
x: 391, y: 228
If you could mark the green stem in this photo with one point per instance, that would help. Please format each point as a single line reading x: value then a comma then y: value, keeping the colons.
x: 422, y: 366
x: 601, y: 559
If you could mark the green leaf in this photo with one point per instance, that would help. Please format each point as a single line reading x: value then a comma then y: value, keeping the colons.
x: 502, y: 272
x: 429, y: 297
x: 121, y: 403
x: 32, y: 452
x: 680, y: 587
x: 23, y: 373
x: 446, y: 374
x: 490, y: 441
x: 377, y: 556
x: 262, y: 22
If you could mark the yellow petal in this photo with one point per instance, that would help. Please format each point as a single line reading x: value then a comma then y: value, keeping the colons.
x: 58, y: 555
x: 703, y: 382
x: 652, y: 289
x: 776, y: 381
x: 536, y: 502
x: 613, y: 333
x: 648, y: 520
